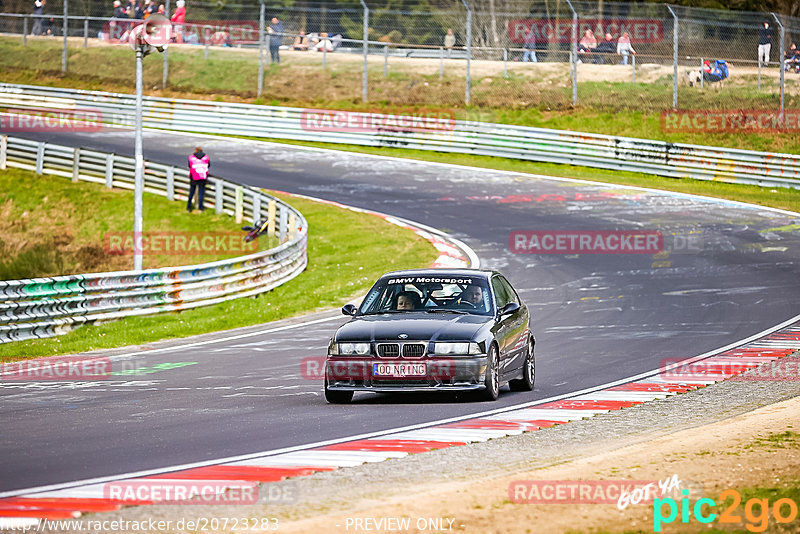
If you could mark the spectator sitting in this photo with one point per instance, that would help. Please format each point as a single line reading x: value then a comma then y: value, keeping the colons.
x: 220, y: 39
x: 587, y: 44
x: 300, y: 43
x: 449, y: 41
x: 792, y: 59
x: 48, y: 26
x: 324, y: 43
x: 605, y: 49
x: 624, y: 47
x: 336, y: 41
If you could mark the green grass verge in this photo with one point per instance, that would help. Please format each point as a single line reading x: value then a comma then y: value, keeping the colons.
x: 613, y: 108
x: 347, y: 251
x: 51, y: 226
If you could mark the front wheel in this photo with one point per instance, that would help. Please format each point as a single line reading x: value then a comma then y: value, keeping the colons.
x: 528, y: 372
x: 337, y: 397
x: 492, y: 378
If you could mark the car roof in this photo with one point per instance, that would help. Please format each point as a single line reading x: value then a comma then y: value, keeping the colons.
x: 481, y: 273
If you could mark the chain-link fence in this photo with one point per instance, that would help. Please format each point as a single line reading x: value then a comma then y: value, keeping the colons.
x: 492, y: 54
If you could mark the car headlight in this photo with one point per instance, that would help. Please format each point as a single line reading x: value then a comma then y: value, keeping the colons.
x: 350, y: 349
x: 456, y: 348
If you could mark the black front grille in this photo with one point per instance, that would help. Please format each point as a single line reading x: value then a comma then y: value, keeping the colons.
x: 413, y: 350
x: 388, y: 350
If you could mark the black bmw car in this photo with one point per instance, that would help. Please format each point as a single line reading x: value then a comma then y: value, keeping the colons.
x: 433, y: 330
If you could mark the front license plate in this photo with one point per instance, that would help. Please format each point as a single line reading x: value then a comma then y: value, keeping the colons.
x: 398, y: 369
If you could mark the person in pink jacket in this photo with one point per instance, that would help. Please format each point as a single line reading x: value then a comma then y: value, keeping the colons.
x: 199, y: 163
x: 177, y: 20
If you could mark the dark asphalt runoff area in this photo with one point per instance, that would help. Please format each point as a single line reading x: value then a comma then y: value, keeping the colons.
x: 729, y: 271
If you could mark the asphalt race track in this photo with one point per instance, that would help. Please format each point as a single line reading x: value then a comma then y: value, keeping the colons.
x: 728, y: 273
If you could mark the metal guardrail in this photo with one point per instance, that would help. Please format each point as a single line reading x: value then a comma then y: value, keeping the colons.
x: 46, y: 307
x: 674, y: 160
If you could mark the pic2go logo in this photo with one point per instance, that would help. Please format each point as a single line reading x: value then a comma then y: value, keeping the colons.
x: 756, y: 511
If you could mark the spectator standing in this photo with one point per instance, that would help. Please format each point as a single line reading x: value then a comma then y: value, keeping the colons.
x: 149, y: 8
x: 624, y: 47
x: 449, y: 41
x: 199, y: 163
x: 138, y: 11
x: 275, y: 40
x: 529, y: 46
x: 178, y: 19
x: 764, y: 44
x: 115, y: 29
x: 38, y: 9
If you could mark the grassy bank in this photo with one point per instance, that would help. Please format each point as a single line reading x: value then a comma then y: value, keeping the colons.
x: 347, y: 251
x: 538, y: 96
x: 51, y: 226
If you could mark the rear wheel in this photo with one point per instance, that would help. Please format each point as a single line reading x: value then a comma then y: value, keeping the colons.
x: 528, y: 372
x: 492, y: 378
x: 337, y: 397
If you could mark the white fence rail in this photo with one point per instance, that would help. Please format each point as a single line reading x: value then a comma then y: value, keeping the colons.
x: 673, y: 160
x: 46, y: 307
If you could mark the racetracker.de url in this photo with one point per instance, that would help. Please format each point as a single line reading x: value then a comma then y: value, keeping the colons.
x: 198, y: 524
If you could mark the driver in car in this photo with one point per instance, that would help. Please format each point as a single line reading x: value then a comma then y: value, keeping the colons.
x: 407, y: 301
x: 472, y: 297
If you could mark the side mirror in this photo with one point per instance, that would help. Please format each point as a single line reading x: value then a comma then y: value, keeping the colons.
x: 511, y: 307
x: 348, y: 309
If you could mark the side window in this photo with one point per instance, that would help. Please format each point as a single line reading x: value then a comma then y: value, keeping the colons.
x: 500, y: 293
x: 512, y: 295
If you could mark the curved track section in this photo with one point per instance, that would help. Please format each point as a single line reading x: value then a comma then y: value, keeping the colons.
x: 598, y: 318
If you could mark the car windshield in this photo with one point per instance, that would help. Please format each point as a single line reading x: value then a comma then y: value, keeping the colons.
x: 429, y: 293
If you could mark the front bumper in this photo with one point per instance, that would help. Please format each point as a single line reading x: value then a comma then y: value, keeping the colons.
x: 442, y: 374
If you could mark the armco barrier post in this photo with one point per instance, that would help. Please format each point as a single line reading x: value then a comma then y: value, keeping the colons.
x: 674, y: 58
x: 292, y: 224
x: 170, y: 183
x: 39, y: 158
x: 282, y: 226
x: 85, y: 33
x: 271, y: 220
x: 25, y: 30
x: 256, y: 208
x: 76, y: 164
x: 239, y: 206
x: 110, y: 170
x: 219, y: 190
x: 3, y: 151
